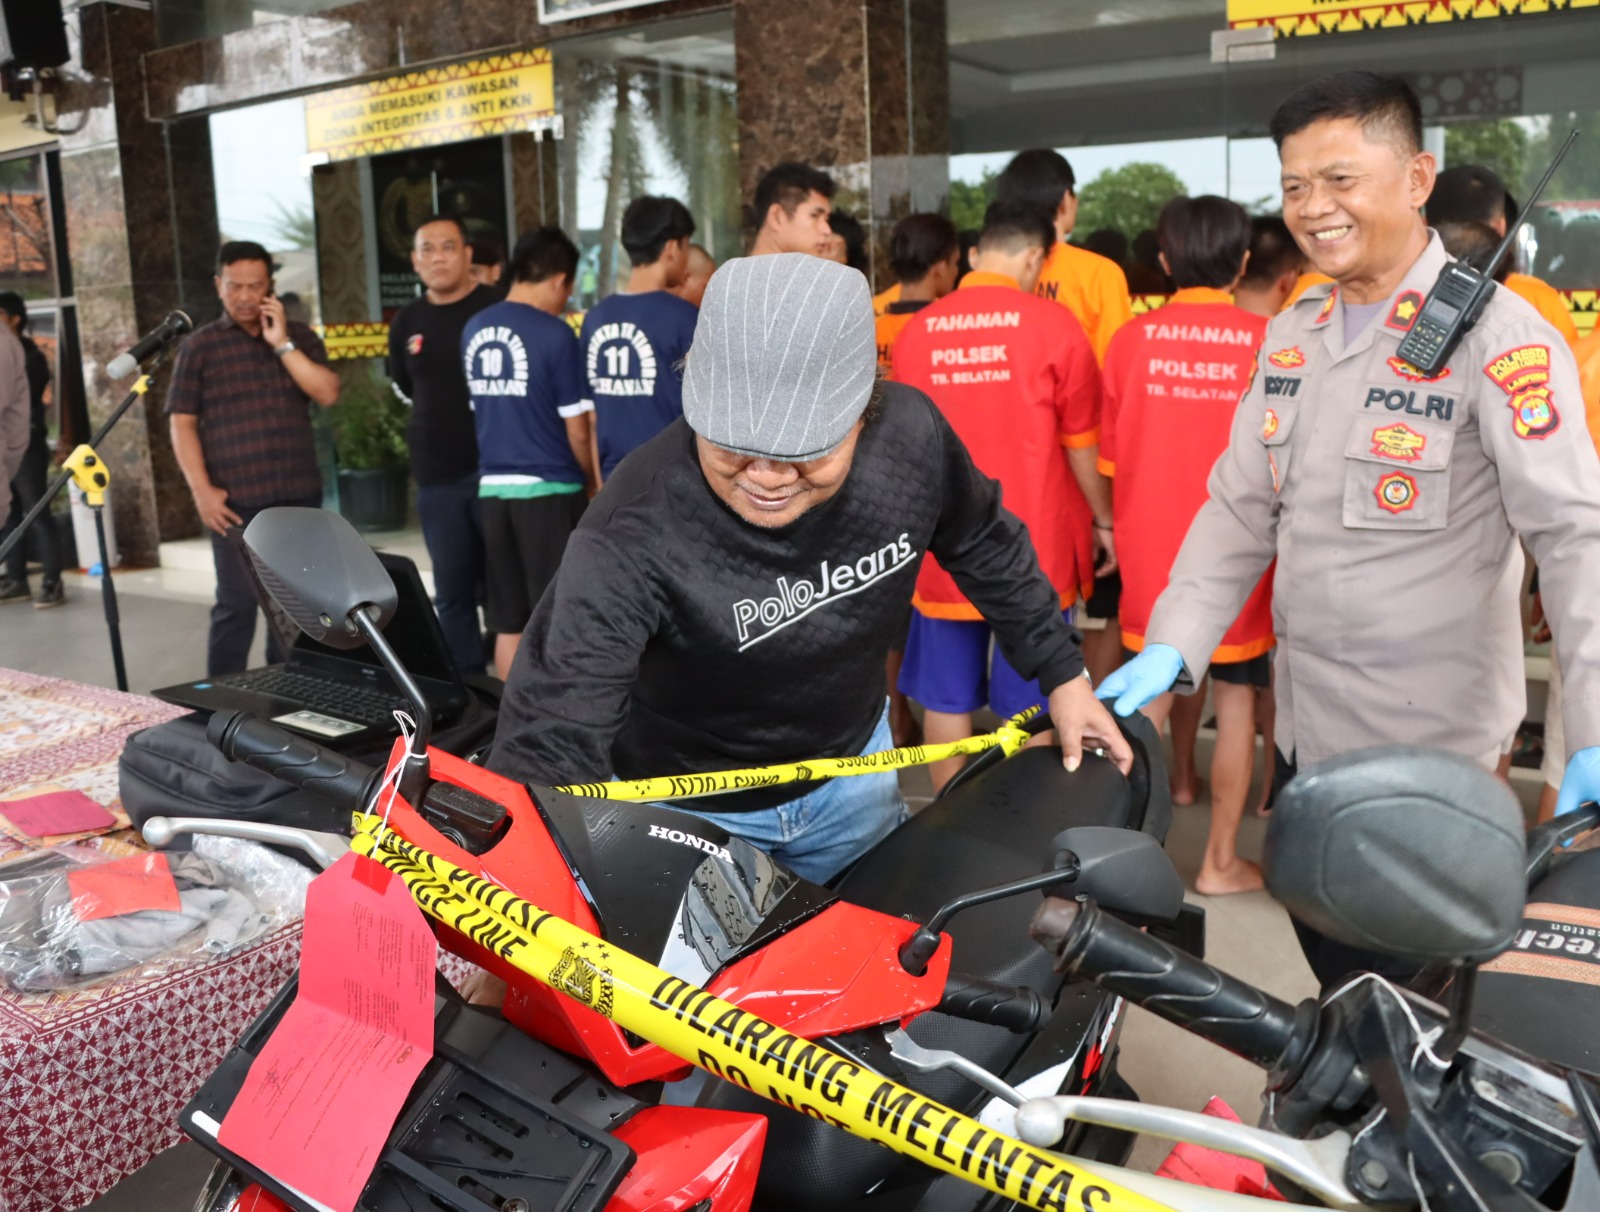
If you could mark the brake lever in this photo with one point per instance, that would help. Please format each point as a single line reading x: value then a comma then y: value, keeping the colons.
x: 1313, y: 1165
x: 324, y: 849
x: 927, y: 1060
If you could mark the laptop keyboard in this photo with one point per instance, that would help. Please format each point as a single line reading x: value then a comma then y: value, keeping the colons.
x: 360, y: 704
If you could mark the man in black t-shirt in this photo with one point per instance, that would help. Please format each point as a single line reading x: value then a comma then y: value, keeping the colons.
x: 425, y: 367
x: 729, y: 599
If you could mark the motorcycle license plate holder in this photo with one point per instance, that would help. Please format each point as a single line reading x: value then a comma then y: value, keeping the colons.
x: 468, y: 1139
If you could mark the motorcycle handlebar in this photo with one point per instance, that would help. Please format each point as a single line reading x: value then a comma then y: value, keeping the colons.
x: 1156, y: 975
x: 243, y: 737
x: 982, y: 1001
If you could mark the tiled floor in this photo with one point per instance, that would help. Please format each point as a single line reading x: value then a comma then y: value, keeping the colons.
x: 164, y: 616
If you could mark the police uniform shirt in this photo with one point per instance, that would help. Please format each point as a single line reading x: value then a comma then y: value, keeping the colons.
x: 1393, y: 502
x: 632, y: 346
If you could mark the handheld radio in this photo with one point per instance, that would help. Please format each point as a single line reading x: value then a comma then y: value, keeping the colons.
x: 1460, y: 292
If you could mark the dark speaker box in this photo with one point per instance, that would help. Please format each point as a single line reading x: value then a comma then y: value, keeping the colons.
x: 32, y: 34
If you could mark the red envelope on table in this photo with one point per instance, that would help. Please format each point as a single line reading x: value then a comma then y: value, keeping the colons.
x: 56, y: 812
x: 125, y: 885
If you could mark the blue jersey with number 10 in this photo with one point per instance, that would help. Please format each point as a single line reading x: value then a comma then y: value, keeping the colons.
x: 632, y: 346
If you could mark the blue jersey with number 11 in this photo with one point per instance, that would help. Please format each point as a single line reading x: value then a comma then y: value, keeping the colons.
x: 632, y: 346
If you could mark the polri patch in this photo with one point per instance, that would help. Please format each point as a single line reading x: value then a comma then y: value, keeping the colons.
x: 1404, y: 311
x: 1269, y: 425
x: 1289, y: 359
x: 1409, y: 372
x: 1396, y: 492
x: 1523, y: 374
x: 1398, y: 442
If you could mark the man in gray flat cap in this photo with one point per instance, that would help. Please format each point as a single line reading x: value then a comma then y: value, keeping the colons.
x: 728, y: 600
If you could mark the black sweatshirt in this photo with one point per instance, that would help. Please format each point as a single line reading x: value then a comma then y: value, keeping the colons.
x: 678, y: 638
x: 425, y: 364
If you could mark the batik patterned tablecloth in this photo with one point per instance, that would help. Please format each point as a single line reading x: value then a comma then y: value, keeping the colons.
x: 91, y: 1079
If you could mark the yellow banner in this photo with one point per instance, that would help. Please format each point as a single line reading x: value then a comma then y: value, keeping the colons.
x: 501, y: 95
x: 345, y: 341
x: 1298, y: 18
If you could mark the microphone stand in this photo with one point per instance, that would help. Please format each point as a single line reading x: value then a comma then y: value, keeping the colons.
x: 87, y: 469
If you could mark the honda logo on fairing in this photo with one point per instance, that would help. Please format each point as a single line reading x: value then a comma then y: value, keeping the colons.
x: 689, y: 839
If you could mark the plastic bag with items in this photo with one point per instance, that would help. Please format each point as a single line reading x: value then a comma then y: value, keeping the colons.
x: 70, y: 914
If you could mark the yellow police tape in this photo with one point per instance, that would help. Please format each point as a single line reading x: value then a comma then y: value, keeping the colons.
x: 1009, y: 738
x: 735, y: 1045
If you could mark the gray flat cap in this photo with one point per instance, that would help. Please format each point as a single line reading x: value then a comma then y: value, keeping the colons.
x: 784, y: 357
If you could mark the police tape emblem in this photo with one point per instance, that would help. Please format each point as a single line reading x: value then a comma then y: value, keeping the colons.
x: 1288, y: 359
x: 583, y: 981
x: 1269, y: 425
x: 1396, y: 492
x: 1523, y: 374
x: 1398, y: 442
x: 1407, y: 371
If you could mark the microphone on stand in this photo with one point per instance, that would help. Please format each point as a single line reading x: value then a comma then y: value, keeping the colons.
x: 164, y: 334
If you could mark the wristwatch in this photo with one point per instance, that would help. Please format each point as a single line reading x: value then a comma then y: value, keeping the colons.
x: 285, y: 349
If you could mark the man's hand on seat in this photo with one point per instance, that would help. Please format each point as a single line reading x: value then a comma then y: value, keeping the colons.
x: 1082, y: 719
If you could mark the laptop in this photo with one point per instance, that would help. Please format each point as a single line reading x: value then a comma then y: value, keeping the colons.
x: 344, y: 699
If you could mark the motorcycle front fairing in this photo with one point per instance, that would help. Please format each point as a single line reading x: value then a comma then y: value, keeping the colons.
x: 676, y: 890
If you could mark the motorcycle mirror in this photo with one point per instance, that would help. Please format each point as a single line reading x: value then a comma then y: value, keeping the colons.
x: 320, y: 571
x: 1412, y: 852
x: 1124, y: 871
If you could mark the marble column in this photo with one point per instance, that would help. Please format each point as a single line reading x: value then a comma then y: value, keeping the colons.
x: 141, y: 237
x: 858, y: 87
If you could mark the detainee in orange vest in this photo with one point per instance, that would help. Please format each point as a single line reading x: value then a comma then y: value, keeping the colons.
x: 1095, y: 290
x: 1172, y: 382
x: 1470, y: 193
x: 1016, y: 378
x: 925, y: 253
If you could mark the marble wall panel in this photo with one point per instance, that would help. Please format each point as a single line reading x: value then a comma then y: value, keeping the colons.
x: 341, y: 243
x: 355, y: 41
x: 141, y: 237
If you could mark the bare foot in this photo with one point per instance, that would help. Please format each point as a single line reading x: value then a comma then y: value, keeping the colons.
x: 1241, y: 875
x: 1187, y: 791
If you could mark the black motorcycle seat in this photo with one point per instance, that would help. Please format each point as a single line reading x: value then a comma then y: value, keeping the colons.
x: 1542, y: 994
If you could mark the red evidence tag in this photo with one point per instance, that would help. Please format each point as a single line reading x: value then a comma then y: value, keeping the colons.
x: 324, y: 1092
x: 125, y: 885
x: 56, y: 812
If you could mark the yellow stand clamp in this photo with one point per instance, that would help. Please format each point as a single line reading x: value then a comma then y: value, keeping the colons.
x: 89, y: 470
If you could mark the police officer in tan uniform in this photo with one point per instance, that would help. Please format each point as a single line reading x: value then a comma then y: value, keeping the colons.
x: 1392, y: 501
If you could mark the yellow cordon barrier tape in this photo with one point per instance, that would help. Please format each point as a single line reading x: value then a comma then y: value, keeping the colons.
x: 1009, y: 737
x: 735, y: 1045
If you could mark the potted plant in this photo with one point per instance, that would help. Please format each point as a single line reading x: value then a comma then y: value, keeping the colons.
x: 369, y: 443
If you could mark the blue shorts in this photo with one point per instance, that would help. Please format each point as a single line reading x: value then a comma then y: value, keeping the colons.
x: 954, y: 666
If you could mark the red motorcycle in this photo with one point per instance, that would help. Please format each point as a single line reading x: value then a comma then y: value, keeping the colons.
x: 916, y: 962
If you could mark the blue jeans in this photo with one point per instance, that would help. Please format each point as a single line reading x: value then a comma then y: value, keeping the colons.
x: 452, y: 527
x: 821, y: 833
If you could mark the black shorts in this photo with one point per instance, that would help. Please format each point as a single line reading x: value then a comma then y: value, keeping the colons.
x: 523, y: 540
x: 1106, y: 599
x: 1257, y: 671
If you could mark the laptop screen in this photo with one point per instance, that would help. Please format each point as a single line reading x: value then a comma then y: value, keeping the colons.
x: 413, y: 632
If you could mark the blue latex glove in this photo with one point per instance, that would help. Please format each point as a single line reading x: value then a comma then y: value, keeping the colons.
x: 1581, y: 782
x: 1142, y: 679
